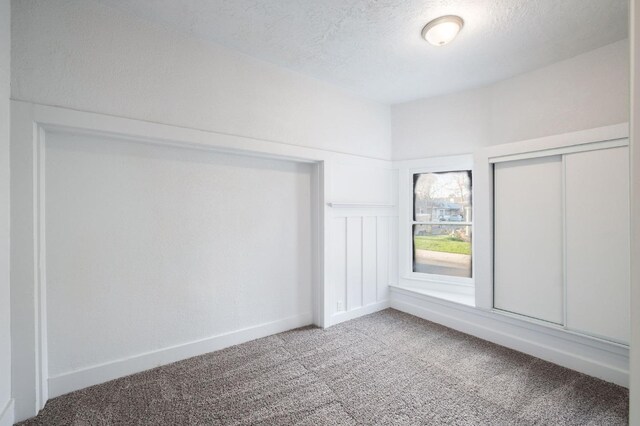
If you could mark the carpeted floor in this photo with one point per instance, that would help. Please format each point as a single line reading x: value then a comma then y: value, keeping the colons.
x: 385, y: 368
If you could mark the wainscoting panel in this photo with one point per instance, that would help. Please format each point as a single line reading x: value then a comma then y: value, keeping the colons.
x: 363, y: 264
x: 369, y: 260
x: 354, y: 263
x: 339, y: 261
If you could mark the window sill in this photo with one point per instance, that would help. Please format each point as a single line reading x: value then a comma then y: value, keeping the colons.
x: 467, y: 299
x: 438, y: 280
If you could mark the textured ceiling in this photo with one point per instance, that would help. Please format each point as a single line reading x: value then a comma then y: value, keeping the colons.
x: 373, y: 47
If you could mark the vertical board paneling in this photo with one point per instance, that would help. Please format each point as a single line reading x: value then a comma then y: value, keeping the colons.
x: 340, y: 263
x: 393, y: 253
x: 354, y: 262
x: 364, y: 259
x: 369, y: 260
x: 384, y: 252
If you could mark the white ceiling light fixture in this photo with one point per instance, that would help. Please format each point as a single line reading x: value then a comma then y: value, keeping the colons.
x: 442, y: 30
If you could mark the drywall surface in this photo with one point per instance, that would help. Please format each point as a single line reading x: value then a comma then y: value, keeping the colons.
x: 443, y: 125
x: 5, y: 331
x: 634, y: 396
x: 589, y: 90
x: 87, y: 56
x: 150, y: 247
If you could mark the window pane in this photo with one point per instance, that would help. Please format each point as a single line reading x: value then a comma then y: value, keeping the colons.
x: 442, y: 197
x: 442, y: 250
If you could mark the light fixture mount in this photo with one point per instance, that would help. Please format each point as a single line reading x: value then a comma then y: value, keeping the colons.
x: 442, y: 30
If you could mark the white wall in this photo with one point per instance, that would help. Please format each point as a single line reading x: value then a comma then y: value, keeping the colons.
x: 634, y: 396
x: 363, y: 259
x: 6, y: 414
x: 587, y: 91
x: 151, y: 247
x: 90, y: 57
x: 122, y: 220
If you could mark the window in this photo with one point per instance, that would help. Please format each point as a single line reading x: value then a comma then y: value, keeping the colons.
x: 442, y: 223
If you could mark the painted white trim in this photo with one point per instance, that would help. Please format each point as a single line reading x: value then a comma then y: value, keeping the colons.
x: 27, y: 318
x: 561, y: 141
x: 436, y: 164
x: 89, y: 376
x: 64, y: 119
x: 339, y: 317
x: 40, y: 269
x: 433, y: 280
x: 317, y: 241
x: 445, y: 293
x: 634, y: 37
x: 572, y: 149
x: 598, y: 358
x: 7, y: 415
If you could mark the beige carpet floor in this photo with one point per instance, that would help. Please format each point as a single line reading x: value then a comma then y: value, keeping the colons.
x: 387, y: 368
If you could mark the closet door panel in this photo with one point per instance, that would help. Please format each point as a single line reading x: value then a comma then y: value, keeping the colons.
x: 597, y: 235
x: 528, y: 238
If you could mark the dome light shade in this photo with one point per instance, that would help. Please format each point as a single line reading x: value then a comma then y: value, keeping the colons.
x: 442, y: 30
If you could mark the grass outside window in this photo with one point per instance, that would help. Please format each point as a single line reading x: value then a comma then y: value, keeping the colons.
x: 442, y: 243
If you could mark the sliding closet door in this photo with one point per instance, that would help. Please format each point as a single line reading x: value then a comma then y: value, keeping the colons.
x: 528, y: 238
x: 597, y: 227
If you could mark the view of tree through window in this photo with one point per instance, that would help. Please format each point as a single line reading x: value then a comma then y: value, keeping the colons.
x: 442, y: 223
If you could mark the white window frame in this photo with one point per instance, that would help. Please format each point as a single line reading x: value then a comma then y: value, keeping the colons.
x: 406, y: 170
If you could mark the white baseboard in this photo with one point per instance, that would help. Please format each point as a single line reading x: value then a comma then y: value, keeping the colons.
x: 68, y: 382
x: 339, y: 317
x: 7, y: 416
x: 594, y: 357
